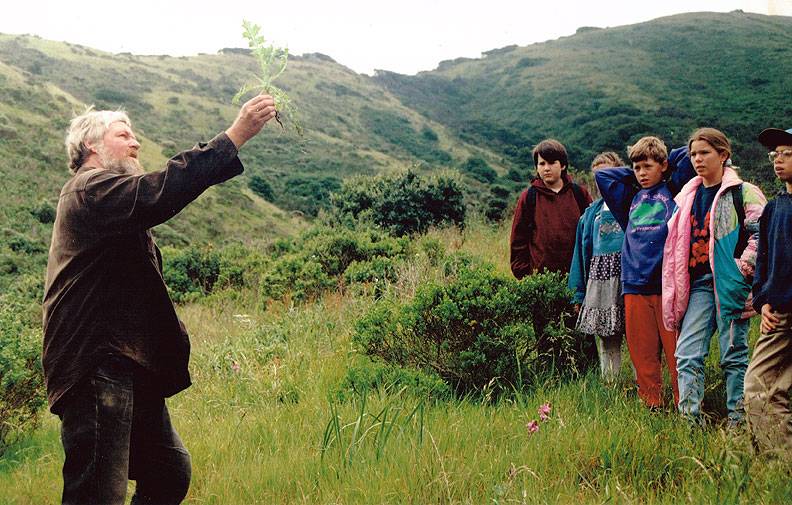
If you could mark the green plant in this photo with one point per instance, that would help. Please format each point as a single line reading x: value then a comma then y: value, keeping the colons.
x: 261, y: 187
x: 403, y: 203
x: 44, y: 212
x: 367, y: 375
x: 479, y: 330
x: 318, y: 259
x: 479, y: 169
x: 21, y: 375
x: 194, y: 272
x: 272, y: 62
x: 372, y: 428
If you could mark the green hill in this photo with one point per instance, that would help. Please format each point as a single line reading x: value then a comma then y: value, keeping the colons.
x: 601, y: 89
x: 353, y: 126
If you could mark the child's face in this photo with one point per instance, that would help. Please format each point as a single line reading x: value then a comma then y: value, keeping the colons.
x: 549, y: 172
x: 649, y: 172
x: 782, y: 165
x: 707, y: 162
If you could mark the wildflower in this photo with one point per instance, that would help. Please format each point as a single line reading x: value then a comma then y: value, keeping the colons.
x: 544, y: 411
x: 532, y: 426
x: 235, y: 367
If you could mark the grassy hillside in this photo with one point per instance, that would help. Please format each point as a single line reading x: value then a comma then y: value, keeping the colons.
x: 598, y: 89
x: 601, y: 89
x: 353, y: 126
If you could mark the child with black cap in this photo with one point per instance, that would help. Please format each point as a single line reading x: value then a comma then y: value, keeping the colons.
x: 768, y: 380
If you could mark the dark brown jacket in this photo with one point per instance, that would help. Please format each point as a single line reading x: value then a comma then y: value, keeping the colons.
x: 546, y: 241
x: 104, y: 293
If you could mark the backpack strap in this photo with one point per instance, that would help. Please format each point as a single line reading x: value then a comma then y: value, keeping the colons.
x: 739, y: 208
x: 530, y: 207
x: 580, y: 198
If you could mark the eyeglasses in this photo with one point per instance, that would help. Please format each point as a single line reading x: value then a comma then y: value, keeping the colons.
x: 772, y: 155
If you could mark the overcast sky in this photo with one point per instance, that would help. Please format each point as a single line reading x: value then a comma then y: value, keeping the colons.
x: 404, y: 36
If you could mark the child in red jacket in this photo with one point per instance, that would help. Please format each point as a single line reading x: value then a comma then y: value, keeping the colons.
x: 546, y: 216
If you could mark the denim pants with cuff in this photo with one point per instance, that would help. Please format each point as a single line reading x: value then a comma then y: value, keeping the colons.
x: 692, y: 348
x: 114, y: 429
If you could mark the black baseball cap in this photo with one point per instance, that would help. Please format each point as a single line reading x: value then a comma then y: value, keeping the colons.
x: 773, y: 137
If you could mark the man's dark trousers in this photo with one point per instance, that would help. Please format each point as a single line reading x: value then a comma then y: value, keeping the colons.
x: 113, y: 430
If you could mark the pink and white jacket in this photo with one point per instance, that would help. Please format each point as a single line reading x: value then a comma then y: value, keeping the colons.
x: 732, y: 276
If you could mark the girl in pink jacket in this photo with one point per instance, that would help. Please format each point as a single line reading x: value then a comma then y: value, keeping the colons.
x: 708, y: 265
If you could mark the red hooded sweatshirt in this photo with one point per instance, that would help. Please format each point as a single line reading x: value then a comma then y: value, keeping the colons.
x: 549, y: 242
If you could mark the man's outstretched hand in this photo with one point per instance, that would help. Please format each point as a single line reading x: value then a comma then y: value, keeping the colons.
x: 251, y: 119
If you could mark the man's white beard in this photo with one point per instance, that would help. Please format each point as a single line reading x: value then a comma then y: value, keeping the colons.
x: 125, y: 165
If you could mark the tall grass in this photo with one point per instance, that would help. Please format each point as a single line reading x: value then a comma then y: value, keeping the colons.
x: 262, y: 427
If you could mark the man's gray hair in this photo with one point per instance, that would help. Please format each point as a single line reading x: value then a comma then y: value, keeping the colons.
x: 90, y: 127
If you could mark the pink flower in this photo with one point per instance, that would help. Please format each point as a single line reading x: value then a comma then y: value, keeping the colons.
x: 532, y: 426
x: 544, y: 411
x: 235, y: 366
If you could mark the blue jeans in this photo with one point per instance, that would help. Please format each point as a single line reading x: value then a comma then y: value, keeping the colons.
x: 114, y: 429
x: 700, y: 322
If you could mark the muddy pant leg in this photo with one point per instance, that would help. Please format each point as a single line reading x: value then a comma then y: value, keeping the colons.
x: 96, y: 423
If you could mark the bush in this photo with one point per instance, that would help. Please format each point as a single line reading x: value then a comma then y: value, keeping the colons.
x: 479, y: 169
x: 320, y: 257
x: 192, y: 273
x: 21, y: 376
x: 369, y: 376
x: 20, y: 243
x: 398, y: 131
x: 261, y: 187
x: 44, y: 212
x: 308, y: 194
x: 403, y: 203
x: 497, y: 203
x: 296, y: 275
x: 480, y: 330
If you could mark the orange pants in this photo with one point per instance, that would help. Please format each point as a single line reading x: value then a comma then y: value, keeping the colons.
x: 646, y: 336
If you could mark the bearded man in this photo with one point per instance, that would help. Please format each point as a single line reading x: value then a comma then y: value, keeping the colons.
x: 114, y: 348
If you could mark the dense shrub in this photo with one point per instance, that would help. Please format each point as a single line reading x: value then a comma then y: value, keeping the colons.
x: 261, y: 187
x: 403, y: 203
x: 375, y: 274
x: 193, y: 272
x: 321, y: 257
x: 301, y: 277
x: 479, y: 169
x: 480, y: 330
x: 368, y: 375
x: 428, y: 134
x: 308, y: 194
x: 20, y: 243
x: 398, y: 131
x: 44, y: 212
x: 21, y: 376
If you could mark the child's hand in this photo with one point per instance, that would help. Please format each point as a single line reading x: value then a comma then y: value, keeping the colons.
x: 769, y: 319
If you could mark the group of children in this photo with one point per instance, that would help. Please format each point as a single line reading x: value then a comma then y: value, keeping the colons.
x: 677, y: 247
